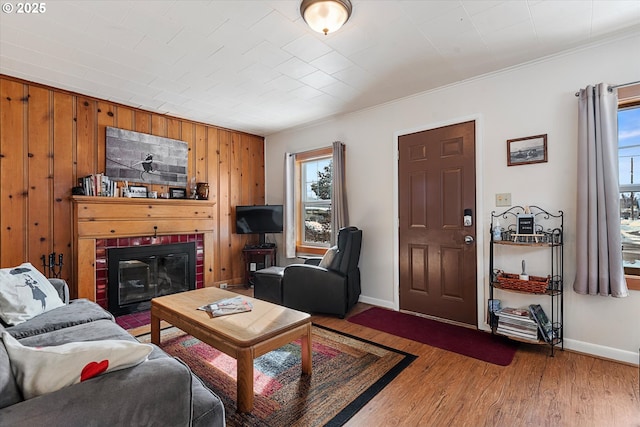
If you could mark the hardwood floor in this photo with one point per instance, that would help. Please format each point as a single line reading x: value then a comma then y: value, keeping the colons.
x: 441, y: 388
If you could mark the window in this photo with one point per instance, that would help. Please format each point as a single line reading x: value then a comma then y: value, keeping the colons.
x: 629, y: 179
x: 314, y: 172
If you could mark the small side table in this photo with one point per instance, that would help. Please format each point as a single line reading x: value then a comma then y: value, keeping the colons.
x: 257, y: 259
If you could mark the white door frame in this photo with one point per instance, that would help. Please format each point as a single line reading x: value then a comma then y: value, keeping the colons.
x: 479, y: 216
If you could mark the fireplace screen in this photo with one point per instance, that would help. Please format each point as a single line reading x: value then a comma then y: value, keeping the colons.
x: 138, y: 274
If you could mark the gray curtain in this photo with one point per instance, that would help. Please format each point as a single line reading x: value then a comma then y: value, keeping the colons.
x: 339, y: 211
x: 289, y: 205
x: 599, y: 268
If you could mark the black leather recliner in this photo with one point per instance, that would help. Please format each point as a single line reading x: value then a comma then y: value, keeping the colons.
x: 331, y: 290
x: 314, y: 289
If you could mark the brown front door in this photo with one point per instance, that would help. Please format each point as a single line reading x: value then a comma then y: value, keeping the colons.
x: 436, y: 175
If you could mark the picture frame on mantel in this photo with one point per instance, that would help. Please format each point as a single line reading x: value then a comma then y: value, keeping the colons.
x: 138, y: 191
x: 177, y: 193
x: 527, y: 150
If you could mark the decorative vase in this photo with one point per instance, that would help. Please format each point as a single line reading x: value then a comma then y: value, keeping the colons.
x: 202, y: 191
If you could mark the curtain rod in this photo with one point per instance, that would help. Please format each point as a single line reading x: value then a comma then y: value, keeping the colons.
x: 610, y: 88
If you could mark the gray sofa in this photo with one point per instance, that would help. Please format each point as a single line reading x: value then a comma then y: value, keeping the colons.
x: 161, y: 391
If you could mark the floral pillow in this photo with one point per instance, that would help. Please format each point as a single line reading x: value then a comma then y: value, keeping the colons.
x: 42, y: 370
x: 25, y: 293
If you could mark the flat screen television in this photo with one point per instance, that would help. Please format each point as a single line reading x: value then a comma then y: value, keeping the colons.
x: 259, y: 220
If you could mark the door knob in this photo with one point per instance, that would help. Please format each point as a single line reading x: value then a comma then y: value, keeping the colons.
x: 468, y: 240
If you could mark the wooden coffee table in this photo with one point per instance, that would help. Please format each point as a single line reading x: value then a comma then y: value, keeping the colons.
x: 243, y: 336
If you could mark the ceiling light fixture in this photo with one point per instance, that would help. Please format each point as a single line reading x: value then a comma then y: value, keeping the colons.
x: 325, y: 16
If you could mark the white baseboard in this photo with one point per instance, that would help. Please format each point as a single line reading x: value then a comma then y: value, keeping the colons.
x: 377, y: 302
x: 596, y: 350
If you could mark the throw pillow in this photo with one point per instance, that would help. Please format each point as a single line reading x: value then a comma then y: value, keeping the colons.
x: 25, y: 293
x: 41, y: 370
x: 328, y: 257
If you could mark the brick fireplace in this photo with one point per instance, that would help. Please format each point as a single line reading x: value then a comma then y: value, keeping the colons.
x: 102, y: 258
x: 101, y: 223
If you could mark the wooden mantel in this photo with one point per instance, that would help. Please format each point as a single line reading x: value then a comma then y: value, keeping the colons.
x: 113, y: 217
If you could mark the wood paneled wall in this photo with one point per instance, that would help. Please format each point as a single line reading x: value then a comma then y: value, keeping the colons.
x: 50, y: 137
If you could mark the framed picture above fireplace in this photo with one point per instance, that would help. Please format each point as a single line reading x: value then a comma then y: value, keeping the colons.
x: 148, y: 159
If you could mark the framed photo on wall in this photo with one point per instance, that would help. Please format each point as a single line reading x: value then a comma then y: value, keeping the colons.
x: 526, y: 151
x: 177, y: 193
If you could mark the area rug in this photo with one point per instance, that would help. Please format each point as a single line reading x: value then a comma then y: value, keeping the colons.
x: 347, y: 373
x: 468, y: 342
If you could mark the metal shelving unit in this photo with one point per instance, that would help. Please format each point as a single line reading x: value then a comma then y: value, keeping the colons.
x: 548, y: 234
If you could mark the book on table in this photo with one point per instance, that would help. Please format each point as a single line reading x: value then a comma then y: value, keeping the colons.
x: 227, y: 306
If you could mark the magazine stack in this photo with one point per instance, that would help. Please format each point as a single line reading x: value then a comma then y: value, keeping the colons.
x: 517, y: 323
x: 227, y: 306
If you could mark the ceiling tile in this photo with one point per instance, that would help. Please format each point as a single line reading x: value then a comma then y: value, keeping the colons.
x: 235, y: 37
x: 424, y: 11
x: 151, y: 24
x: 500, y: 16
x: 453, y: 22
x: 255, y: 65
x: 307, y: 48
x: 332, y: 62
x: 318, y: 80
x: 268, y: 55
x: 295, y: 68
x: 276, y: 29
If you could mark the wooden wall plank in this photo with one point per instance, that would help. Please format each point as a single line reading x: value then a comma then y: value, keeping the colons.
x: 143, y: 121
x: 106, y: 116
x: 238, y: 241
x: 212, y: 178
x: 224, y: 207
x: 39, y: 170
x: 63, y: 179
x: 188, y: 135
x: 200, y: 155
x: 159, y: 125
x: 174, y: 128
x: 124, y: 118
x: 13, y: 243
x: 256, y: 151
x: 71, y: 127
x: 86, y: 132
x: 246, y: 174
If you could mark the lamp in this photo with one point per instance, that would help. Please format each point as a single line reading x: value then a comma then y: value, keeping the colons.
x: 325, y: 16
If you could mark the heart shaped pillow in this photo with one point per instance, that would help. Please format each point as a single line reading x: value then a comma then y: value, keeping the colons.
x: 41, y: 370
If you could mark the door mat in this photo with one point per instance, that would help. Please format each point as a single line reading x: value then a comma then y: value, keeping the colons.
x: 347, y: 373
x: 468, y: 342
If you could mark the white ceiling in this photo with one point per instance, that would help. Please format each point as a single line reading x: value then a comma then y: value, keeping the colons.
x: 255, y: 66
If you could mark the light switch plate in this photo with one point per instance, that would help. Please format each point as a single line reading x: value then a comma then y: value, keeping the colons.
x: 503, y: 199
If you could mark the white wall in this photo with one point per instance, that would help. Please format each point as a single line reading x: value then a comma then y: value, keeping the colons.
x: 532, y: 99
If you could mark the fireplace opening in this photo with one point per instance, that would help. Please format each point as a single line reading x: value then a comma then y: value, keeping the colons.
x: 138, y: 274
